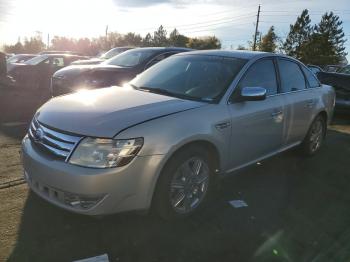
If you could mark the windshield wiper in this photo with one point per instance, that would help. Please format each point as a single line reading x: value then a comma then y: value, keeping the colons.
x: 165, y: 92
x: 157, y: 91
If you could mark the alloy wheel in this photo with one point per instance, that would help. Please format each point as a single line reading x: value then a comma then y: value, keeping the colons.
x: 189, y: 185
x: 316, y: 135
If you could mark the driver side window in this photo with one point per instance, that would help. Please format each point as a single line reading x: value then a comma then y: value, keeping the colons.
x: 261, y: 74
x: 58, y: 62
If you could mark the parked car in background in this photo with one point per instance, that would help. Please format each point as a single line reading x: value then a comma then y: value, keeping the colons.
x: 111, y: 53
x: 37, y: 72
x: 344, y: 70
x: 341, y: 82
x: 9, y: 55
x: 332, y: 68
x: 162, y: 140
x: 60, y: 52
x: 20, y: 58
x: 115, y: 71
x: 315, y: 69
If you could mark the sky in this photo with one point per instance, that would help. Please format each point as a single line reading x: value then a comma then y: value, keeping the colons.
x: 232, y: 21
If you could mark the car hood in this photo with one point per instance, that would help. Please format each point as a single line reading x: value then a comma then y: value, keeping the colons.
x: 107, y: 111
x: 75, y: 70
x: 92, y: 61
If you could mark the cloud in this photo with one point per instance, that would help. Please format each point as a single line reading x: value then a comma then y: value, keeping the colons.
x: 140, y: 3
x: 176, y: 3
x: 5, y: 7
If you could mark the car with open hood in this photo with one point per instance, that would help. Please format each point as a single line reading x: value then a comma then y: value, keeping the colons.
x: 162, y: 140
x: 115, y: 71
x: 37, y: 71
x: 19, y: 58
x: 105, y: 56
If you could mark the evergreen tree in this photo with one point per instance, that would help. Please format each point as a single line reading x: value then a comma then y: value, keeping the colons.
x: 210, y: 42
x: 147, y: 40
x: 298, y: 35
x: 33, y: 45
x: 318, y: 51
x: 160, y: 37
x: 131, y: 39
x: 241, y: 47
x: 16, y: 48
x: 330, y: 30
x: 268, y: 41
x: 176, y: 39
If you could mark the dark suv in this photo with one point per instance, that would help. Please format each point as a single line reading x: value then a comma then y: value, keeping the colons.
x: 115, y: 71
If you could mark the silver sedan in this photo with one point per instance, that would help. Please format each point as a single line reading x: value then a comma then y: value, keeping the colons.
x: 160, y: 141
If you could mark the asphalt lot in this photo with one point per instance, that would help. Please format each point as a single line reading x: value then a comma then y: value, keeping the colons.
x: 298, y: 210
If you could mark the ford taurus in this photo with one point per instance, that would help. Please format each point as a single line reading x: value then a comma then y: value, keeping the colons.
x: 160, y: 141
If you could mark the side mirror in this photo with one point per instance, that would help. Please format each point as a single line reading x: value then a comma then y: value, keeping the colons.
x: 253, y: 93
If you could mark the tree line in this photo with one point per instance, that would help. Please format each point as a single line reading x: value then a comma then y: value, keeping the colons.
x: 318, y: 44
x: 94, y: 46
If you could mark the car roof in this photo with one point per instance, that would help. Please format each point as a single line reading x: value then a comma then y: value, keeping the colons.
x: 166, y: 48
x: 243, y: 54
x: 26, y: 54
x: 65, y: 55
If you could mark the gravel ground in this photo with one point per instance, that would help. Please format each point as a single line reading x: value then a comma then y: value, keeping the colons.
x: 298, y: 210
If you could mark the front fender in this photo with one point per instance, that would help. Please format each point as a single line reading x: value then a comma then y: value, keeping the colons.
x: 165, y: 135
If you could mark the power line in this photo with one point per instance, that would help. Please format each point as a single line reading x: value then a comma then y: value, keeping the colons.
x: 322, y: 12
x: 224, y: 22
x: 276, y: 22
x: 209, y: 29
x: 203, y: 24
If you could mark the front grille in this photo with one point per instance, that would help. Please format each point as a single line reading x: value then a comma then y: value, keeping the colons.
x: 57, y: 143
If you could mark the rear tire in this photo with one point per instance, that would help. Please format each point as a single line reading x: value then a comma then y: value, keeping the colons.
x: 184, y: 184
x: 315, y: 136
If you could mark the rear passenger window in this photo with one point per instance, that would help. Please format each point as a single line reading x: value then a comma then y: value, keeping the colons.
x: 292, y: 79
x: 311, y: 78
x: 159, y: 58
x: 261, y: 74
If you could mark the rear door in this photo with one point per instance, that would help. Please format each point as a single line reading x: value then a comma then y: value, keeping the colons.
x: 257, y: 126
x: 298, y: 98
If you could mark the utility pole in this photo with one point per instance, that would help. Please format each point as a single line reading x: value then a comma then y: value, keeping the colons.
x: 256, y: 28
x: 48, y: 41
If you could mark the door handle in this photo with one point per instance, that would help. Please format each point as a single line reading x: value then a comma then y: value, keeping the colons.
x: 277, y: 113
x: 223, y: 125
x: 310, y: 103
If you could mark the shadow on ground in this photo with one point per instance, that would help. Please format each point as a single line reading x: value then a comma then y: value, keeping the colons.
x: 298, y: 210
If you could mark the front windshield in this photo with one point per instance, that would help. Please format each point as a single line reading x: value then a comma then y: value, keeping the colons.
x: 36, y: 60
x: 197, y: 77
x: 111, y: 53
x: 131, y: 58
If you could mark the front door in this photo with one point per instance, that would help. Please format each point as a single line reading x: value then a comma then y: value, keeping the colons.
x: 257, y: 126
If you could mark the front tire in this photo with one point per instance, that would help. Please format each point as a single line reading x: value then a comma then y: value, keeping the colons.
x: 184, y: 184
x: 315, y: 136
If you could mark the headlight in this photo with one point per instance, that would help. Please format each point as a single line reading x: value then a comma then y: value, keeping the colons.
x: 103, y: 153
